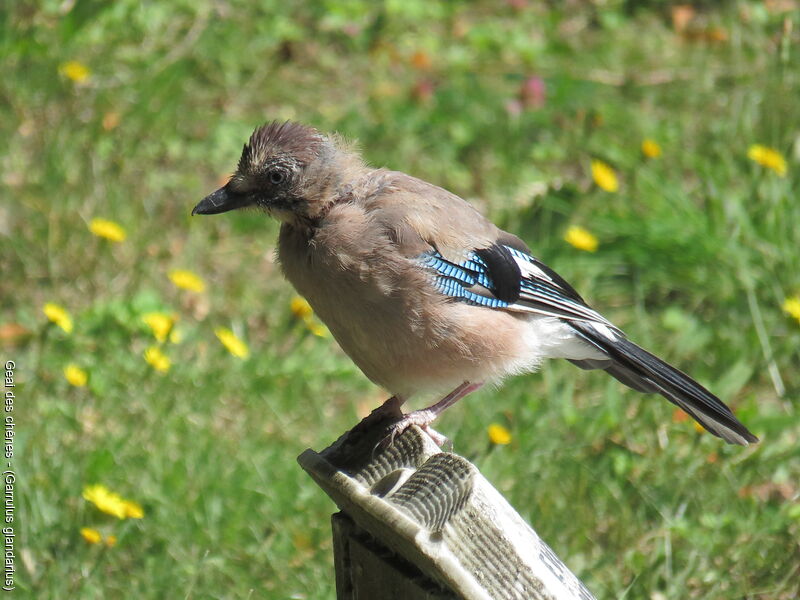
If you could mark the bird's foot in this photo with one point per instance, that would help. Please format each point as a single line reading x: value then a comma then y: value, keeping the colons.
x: 421, y: 418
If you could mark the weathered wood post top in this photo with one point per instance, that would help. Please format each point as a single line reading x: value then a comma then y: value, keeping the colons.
x: 418, y: 523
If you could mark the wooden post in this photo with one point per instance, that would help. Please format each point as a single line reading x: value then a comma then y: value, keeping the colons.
x: 418, y: 523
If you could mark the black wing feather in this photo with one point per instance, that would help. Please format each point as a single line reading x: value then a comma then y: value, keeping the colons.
x: 644, y: 371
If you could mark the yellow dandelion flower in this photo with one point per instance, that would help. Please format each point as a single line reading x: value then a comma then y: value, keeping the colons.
x: 186, y: 280
x: 175, y: 336
x: 498, y: 434
x: 92, y: 536
x: 318, y: 329
x: 75, y: 71
x: 112, y: 503
x: 105, y: 500
x: 132, y: 510
x: 581, y: 238
x: 768, y: 157
x: 235, y: 346
x: 58, y: 315
x: 160, y: 324
x: 300, y: 307
x: 650, y: 148
x: 157, y: 359
x: 791, y: 306
x: 108, y: 230
x: 604, y: 176
x: 75, y: 375
x: 302, y: 310
x: 111, y: 541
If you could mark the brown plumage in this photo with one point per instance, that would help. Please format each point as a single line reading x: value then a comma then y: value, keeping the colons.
x: 290, y: 140
x: 420, y: 290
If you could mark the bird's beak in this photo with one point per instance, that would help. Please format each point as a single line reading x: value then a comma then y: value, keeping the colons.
x: 219, y: 202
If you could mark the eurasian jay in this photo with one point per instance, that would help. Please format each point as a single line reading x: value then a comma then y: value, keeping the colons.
x: 421, y: 291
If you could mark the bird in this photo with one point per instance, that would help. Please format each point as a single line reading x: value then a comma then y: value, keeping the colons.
x: 424, y: 293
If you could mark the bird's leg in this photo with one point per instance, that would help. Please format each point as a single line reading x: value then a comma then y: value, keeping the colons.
x: 424, y: 417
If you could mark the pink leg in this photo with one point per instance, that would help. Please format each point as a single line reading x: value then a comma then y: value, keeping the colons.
x: 424, y: 417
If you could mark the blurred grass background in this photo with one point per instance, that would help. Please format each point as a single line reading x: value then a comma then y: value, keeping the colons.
x: 133, y: 111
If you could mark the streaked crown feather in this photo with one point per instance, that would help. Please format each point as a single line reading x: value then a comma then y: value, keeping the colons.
x: 288, y: 139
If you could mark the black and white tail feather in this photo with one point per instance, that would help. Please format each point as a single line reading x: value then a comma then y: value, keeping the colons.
x: 507, y: 277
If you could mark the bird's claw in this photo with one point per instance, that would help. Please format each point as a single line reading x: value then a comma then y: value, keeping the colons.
x: 420, y: 418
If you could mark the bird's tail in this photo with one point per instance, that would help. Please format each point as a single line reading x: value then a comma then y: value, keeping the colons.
x: 637, y: 368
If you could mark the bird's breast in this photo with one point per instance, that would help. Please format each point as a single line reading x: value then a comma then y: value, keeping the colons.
x: 391, y: 321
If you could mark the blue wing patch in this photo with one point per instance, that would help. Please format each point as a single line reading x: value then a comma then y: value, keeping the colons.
x: 502, y: 277
x: 467, y: 281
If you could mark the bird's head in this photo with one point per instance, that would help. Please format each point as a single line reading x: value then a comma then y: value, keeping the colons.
x: 284, y: 169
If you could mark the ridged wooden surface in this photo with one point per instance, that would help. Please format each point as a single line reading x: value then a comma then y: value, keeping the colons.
x: 439, y: 513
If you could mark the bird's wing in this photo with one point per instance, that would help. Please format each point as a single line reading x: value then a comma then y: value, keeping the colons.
x: 502, y: 277
x: 470, y: 258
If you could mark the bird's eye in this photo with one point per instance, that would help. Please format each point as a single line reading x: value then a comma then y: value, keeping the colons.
x: 276, y: 177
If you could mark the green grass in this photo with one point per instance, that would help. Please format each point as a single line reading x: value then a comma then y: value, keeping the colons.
x: 698, y: 251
